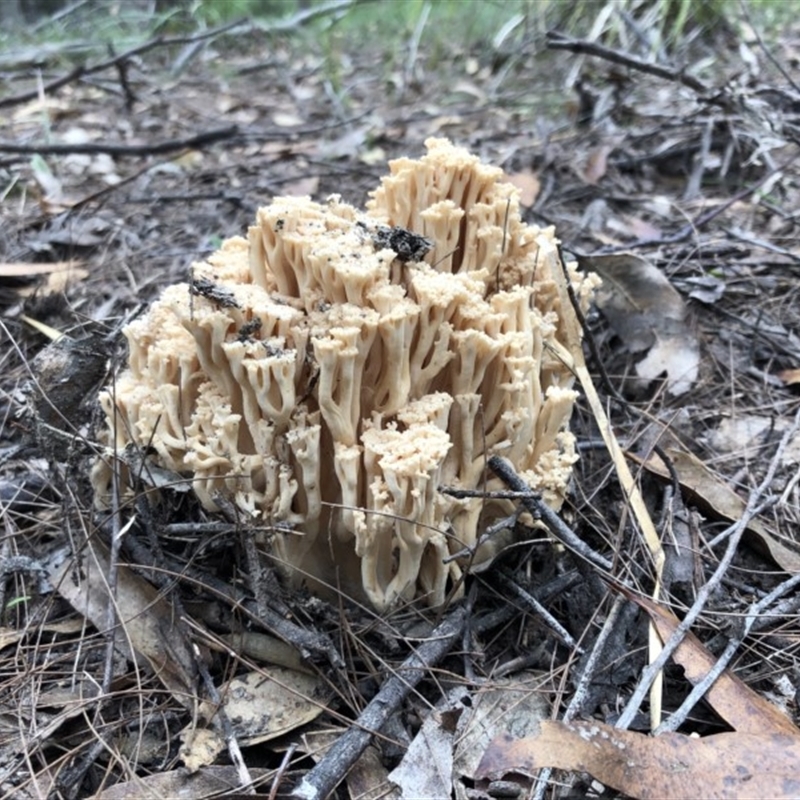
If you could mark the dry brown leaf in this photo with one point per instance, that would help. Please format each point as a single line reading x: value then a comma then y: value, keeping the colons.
x: 503, y: 704
x: 264, y: 648
x: 266, y: 704
x: 368, y: 778
x: 188, y: 160
x: 261, y: 705
x: 200, y: 747
x: 146, y: 619
x: 741, y: 707
x: 636, y: 228
x: 676, y: 355
x: 470, y: 89
x: 9, y: 636
x: 52, y: 191
x: 647, y: 313
x: 302, y: 187
x: 528, y: 184
x: 436, y: 126
x: 747, y: 435
x: 56, y: 282
x: 710, y: 493
x: 372, y: 156
x: 287, y: 119
x: 729, y: 766
x: 218, y: 781
x: 25, y: 726
x: 81, y: 231
x: 426, y: 769
x: 46, y: 106
x: 347, y: 145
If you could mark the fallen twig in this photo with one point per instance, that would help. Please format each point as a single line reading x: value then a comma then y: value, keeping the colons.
x: 313, y: 647
x: 89, y: 148
x: 588, y: 674
x: 707, y: 216
x: 561, y: 633
x: 305, y: 15
x: 555, y: 524
x: 678, y: 717
x: 560, y: 41
x: 734, y: 534
x: 333, y: 767
x: 223, y: 725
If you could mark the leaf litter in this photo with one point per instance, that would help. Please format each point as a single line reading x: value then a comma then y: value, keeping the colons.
x: 648, y: 315
x: 668, y: 185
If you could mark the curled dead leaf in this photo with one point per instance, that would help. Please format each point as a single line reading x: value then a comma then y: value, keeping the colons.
x: 213, y: 781
x: 597, y: 163
x: 426, y: 768
x: 647, y: 313
x: 270, y: 702
x: 146, y: 618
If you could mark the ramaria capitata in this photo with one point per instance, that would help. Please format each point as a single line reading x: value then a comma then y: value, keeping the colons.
x: 359, y: 361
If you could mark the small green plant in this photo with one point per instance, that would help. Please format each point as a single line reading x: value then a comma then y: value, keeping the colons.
x: 17, y: 601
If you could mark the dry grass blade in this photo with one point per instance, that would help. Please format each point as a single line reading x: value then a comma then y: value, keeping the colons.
x: 629, y: 486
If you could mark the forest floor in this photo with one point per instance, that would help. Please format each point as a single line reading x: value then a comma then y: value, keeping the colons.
x: 669, y: 169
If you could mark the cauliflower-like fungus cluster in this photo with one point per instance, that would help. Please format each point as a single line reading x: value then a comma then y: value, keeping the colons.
x: 331, y: 371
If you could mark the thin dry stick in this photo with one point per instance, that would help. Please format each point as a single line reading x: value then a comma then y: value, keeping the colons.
x: 702, y: 219
x: 284, y: 765
x: 579, y: 695
x: 767, y: 52
x: 314, y: 11
x: 540, y: 510
x: 508, y: 583
x: 223, y: 723
x: 734, y: 532
x: 698, y: 692
x: 313, y: 647
x: 560, y: 41
x: 167, y: 146
x: 331, y: 770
